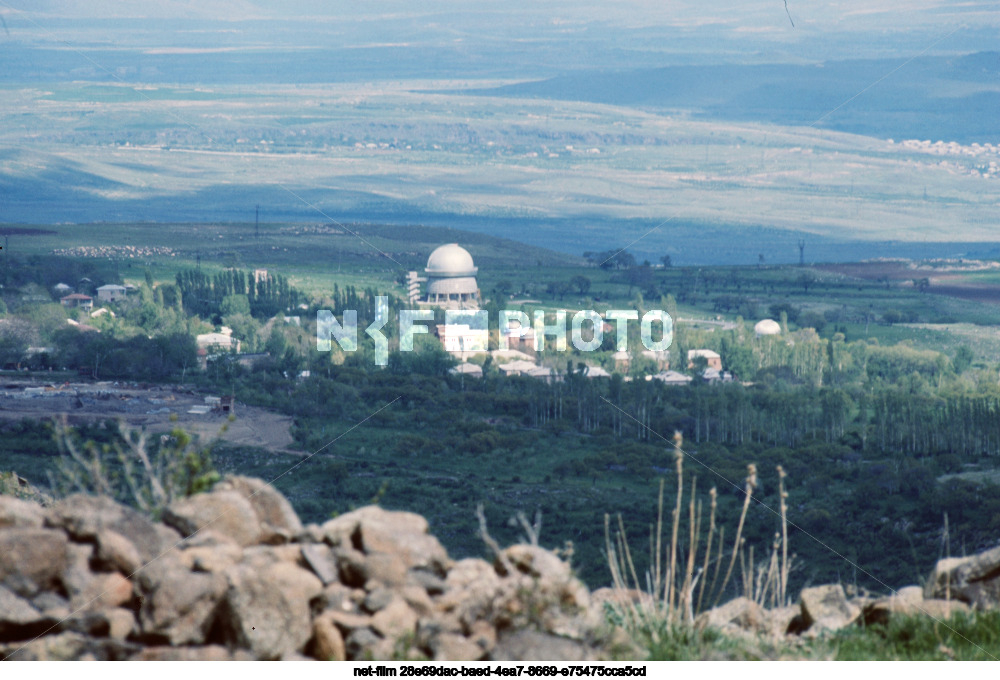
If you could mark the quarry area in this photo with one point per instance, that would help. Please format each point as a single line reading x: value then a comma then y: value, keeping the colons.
x: 154, y: 407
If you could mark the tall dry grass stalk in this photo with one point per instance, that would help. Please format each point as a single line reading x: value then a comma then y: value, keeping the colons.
x: 667, y: 596
x: 751, y: 484
x: 783, y: 495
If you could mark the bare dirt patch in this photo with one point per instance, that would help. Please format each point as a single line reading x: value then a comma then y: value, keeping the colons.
x: 944, y: 278
x: 155, y: 408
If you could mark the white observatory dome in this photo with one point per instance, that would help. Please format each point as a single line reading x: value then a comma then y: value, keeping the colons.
x: 450, y: 260
x: 451, y: 278
x: 767, y: 327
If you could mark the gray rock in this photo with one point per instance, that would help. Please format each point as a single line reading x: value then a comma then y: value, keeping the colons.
x: 782, y: 621
x: 278, y: 520
x: 378, y: 599
x: 51, y: 604
x: 533, y: 645
x: 342, y: 529
x: 85, y: 517
x: 214, y: 558
x: 267, y: 611
x: 533, y: 561
x: 69, y: 646
x: 76, y: 575
x: 206, y: 653
x: 472, y: 590
x: 340, y: 597
x: 114, y: 551
x: 974, y: 580
x: 373, y: 530
x: 361, y: 643
x: 910, y: 604
x: 103, y: 591
x: 395, y: 620
x: 116, y: 623
x: 321, y: 561
x: 19, y: 620
x: 15, y: 512
x: 452, y: 647
x: 348, y: 621
x: 31, y: 559
x: 826, y: 608
x: 327, y: 642
x: 178, y: 605
x: 739, y: 614
x: 226, y: 512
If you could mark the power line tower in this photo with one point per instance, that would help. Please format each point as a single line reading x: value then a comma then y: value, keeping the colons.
x: 802, y: 253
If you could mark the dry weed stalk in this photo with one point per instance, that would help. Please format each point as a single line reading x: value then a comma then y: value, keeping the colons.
x: 664, y: 596
x: 751, y: 484
x: 783, y: 496
x: 178, y: 468
x: 713, y: 495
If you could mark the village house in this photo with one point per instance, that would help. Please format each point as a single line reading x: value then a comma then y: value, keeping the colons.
x: 712, y: 359
x: 110, y: 293
x: 77, y: 300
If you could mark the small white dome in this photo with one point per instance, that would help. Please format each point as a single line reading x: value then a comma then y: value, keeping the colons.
x: 451, y: 260
x: 767, y: 327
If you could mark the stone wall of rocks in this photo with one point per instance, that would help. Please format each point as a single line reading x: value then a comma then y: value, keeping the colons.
x: 233, y: 574
x: 957, y: 585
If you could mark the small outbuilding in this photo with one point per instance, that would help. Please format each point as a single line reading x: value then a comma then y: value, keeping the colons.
x: 671, y: 378
x: 471, y: 370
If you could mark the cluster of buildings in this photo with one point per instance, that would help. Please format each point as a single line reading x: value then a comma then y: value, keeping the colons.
x: 450, y: 278
x: 105, y: 294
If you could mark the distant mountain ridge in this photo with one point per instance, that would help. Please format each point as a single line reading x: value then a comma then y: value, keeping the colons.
x: 946, y: 98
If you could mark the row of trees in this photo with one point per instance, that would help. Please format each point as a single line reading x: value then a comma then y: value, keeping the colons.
x: 266, y: 295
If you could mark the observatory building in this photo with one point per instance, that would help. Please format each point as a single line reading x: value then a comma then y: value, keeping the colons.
x: 767, y: 327
x: 451, y: 279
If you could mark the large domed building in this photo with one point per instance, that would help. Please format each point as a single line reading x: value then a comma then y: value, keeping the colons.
x: 451, y: 279
x: 767, y: 327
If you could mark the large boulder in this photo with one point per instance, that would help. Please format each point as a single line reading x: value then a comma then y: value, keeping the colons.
x: 882, y: 611
x: 278, y: 520
x: 225, y: 512
x: 32, y: 560
x: 735, y: 617
x: 974, y: 580
x: 178, y: 606
x: 101, y: 520
x: 826, y: 608
x: 17, y: 513
x: 19, y: 620
x: 68, y: 646
x: 268, y: 610
x: 375, y: 531
x: 534, y: 645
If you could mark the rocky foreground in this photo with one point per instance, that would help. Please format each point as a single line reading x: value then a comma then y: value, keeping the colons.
x: 233, y: 574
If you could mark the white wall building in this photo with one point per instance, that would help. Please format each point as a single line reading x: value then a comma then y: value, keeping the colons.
x: 111, y: 293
